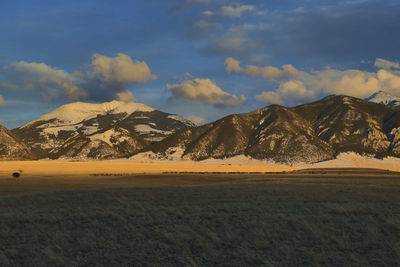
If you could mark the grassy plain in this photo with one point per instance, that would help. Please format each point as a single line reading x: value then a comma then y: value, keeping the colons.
x: 314, y: 217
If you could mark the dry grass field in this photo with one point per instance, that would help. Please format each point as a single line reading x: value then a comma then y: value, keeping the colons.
x: 92, y: 217
x: 68, y: 168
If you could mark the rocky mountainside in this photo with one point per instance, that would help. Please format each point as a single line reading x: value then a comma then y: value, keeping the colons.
x: 11, y: 148
x: 307, y: 133
x: 385, y: 98
x: 99, y: 131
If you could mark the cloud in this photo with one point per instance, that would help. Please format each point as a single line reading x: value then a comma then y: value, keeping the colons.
x: 270, y: 97
x: 204, y: 91
x: 296, y: 86
x: 39, y: 79
x: 348, y: 31
x: 389, y: 81
x: 291, y: 91
x: 233, y: 42
x: 386, y: 64
x: 73, y: 91
x: 293, y: 87
x: 269, y: 72
x: 234, y: 11
x: 46, y: 73
x: 121, y: 69
x: 196, y: 119
x: 2, y: 101
x: 108, y: 76
x: 307, y: 87
x: 222, y: 37
x: 126, y: 96
x: 104, y: 78
x: 232, y: 65
x: 348, y: 82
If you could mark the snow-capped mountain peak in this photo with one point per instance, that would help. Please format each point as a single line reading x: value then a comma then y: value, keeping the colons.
x: 108, y: 130
x: 384, y: 98
x: 79, y: 111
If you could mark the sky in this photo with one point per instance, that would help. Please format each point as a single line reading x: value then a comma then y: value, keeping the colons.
x: 201, y: 59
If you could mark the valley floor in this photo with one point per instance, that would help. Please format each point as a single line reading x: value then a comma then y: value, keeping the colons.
x: 306, y: 217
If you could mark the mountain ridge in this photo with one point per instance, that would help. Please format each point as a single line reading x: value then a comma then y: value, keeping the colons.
x: 308, y: 133
x: 311, y: 132
x: 11, y: 148
x: 99, y: 131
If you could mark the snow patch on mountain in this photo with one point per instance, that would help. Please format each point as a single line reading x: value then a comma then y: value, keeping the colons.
x: 105, y: 137
x: 354, y: 160
x: 88, y: 130
x: 172, y: 154
x: 343, y: 160
x: 179, y: 118
x: 384, y: 98
x: 146, y: 129
x: 76, y: 112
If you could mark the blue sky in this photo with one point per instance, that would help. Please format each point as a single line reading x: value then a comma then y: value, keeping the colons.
x: 204, y: 58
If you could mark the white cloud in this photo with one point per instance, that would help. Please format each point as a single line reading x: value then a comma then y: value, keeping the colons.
x: 290, y: 91
x: 389, y: 81
x: 46, y: 73
x: 126, y: 96
x: 196, y: 119
x: 2, y: 101
x: 349, y: 82
x: 105, y: 78
x: 232, y: 65
x: 269, y: 72
x: 40, y: 79
x: 386, y: 64
x: 234, y: 11
x: 121, y: 69
x: 295, y: 85
x: 204, y: 91
x: 270, y: 97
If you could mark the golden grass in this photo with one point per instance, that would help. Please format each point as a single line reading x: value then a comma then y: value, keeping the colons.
x: 66, y: 168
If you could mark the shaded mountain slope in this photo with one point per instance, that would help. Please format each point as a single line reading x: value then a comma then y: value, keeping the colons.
x: 307, y: 133
x: 11, y: 148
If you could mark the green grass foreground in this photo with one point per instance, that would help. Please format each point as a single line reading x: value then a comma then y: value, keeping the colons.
x: 298, y: 220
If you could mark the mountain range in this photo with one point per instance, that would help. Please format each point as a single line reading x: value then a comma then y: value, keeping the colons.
x: 308, y: 133
x: 312, y: 132
x: 99, y: 131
